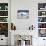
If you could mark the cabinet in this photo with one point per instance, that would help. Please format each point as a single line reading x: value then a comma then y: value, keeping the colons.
x: 42, y: 41
x: 3, y: 40
x: 4, y: 19
x: 42, y: 19
x: 4, y: 22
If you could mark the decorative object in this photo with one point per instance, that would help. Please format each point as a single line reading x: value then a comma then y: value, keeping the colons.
x: 23, y: 14
x: 4, y: 26
x: 22, y: 43
x: 42, y: 25
x: 13, y: 27
x: 0, y: 7
x: 42, y: 32
x: 6, y: 7
x: 43, y: 13
x: 31, y: 27
x: 3, y: 6
x: 3, y: 13
x: 4, y: 29
x: 41, y: 6
x: 23, y: 40
x: 3, y: 19
x: 41, y: 19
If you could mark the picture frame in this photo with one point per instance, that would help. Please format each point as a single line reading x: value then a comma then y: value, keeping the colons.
x: 22, y: 14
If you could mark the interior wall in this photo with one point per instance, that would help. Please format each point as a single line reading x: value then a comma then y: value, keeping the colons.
x: 23, y: 24
x: 3, y: 1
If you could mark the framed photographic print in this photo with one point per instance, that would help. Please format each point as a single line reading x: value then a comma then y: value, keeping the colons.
x: 23, y: 14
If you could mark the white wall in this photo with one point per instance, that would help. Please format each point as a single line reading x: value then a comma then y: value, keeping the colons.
x: 23, y: 24
x: 3, y: 1
x: 32, y: 5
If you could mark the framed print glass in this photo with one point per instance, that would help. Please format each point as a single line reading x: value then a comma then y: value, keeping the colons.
x: 23, y: 14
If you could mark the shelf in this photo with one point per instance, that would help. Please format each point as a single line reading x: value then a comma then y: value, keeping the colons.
x: 42, y: 16
x: 41, y: 22
x: 41, y: 10
x: 3, y: 16
x: 42, y: 19
x: 4, y: 19
x: 3, y: 10
x: 41, y: 28
x: 3, y: 22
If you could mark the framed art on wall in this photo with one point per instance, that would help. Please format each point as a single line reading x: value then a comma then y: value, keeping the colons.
x: 23, y: 14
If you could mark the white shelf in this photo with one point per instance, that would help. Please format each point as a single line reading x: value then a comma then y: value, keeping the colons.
x: 3, y: 22
x: 3, y: 16
x: 42, y: 16
x: 41, y: 10
x: 41, y: 22
x: 41, y: 28
x: 3, y: 10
